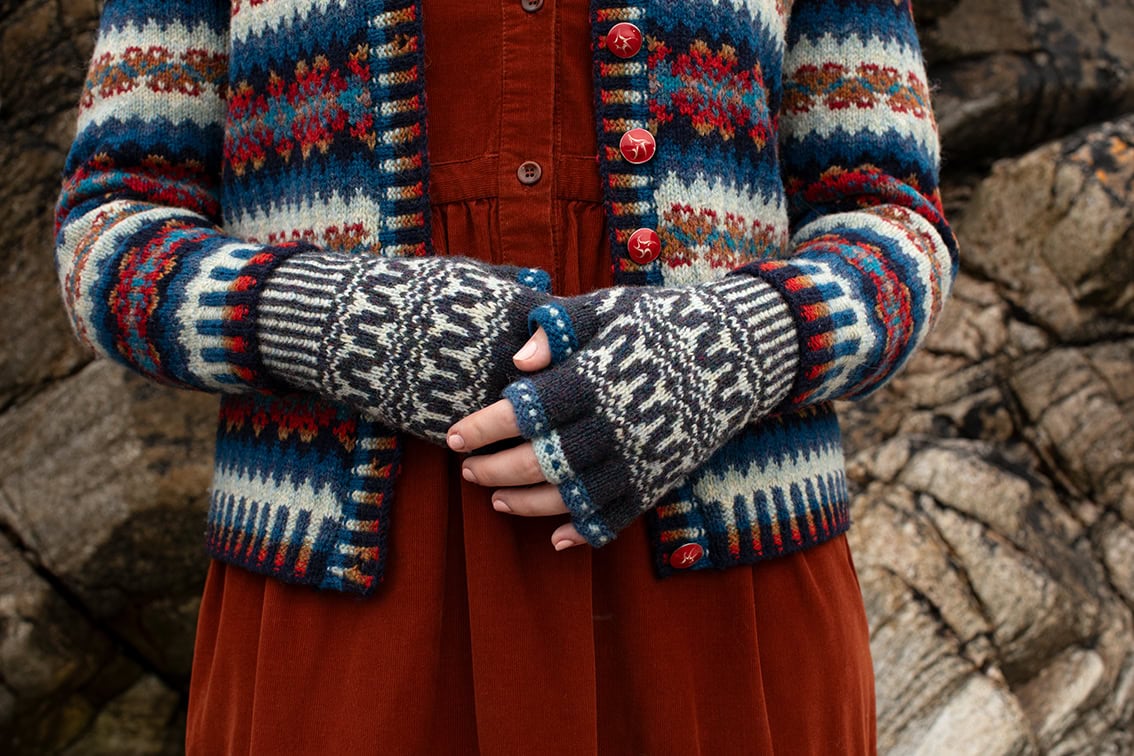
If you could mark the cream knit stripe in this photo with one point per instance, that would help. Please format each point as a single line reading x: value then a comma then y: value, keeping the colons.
x: 883, y: 66
x: 338, y: 222
x: 184, y: 52
x: 264, y: 17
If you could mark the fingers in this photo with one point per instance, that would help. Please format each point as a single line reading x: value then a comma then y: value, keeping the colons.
x: 495, y: 422
x: 535, y: 354
x: 517, y: 466
x: 566, y: 536
x: 536, y: 501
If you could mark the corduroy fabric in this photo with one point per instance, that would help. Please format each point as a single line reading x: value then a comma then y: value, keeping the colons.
x: 216, y: 139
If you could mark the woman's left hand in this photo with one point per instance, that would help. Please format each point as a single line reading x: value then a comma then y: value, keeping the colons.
x: 521, y: 488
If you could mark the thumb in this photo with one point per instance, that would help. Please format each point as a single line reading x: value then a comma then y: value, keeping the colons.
x: 535, y: 354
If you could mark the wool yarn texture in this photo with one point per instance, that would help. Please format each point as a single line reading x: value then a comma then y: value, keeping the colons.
x: 655, y: 379
x: 227, y: 151
x: 414, y: 343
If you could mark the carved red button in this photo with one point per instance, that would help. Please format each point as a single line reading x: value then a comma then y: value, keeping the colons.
x: 686, y: 556
x: 624, y: 40
x: 644, y: 246
x: 637, y: 146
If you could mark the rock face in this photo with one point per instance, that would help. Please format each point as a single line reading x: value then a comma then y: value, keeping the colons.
x: 994, y: 529
x: 996, y: 475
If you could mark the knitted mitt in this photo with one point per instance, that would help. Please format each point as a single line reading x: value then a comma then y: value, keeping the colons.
x: 652, y: 382
x: 415, y: 343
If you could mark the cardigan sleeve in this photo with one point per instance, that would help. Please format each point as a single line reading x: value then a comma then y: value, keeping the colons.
x: 148, y: 277
x: 871, y: 257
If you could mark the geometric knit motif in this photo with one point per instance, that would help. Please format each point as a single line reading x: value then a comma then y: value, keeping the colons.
x: 218, y: 139
x: 414, y: 343
x: 669, y: 376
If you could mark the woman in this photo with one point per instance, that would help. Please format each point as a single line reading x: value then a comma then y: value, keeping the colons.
x: 735, y: 205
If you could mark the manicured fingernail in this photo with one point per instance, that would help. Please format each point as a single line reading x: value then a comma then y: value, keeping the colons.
x: 456, y: 443
x: 468, y: 475
x: 500, y: 506
x: 564, y: 544
x: 527, y: 351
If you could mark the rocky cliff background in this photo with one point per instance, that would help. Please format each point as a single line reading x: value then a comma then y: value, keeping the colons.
x: 994, y: 478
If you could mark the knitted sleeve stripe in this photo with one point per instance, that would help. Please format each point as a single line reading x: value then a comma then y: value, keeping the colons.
x: 148, y: 278
x: 872, y: 258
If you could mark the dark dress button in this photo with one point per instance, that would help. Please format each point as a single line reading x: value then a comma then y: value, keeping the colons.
x: 529, y: 172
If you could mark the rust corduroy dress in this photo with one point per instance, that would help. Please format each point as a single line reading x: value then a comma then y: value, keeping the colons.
x: 483, y: 638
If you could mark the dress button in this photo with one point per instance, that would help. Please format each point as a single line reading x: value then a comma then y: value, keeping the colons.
x: 686, y: 556
x: 624, y: 40
x: 637, y: 146
x: 644, y: 246
x: 531, y: 6
x: 529, y: 172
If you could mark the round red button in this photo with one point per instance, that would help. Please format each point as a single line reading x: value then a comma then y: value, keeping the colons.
x: 637, y: 146
x: 644, y: 246
x: 686, y: 556
x: 624, y: 40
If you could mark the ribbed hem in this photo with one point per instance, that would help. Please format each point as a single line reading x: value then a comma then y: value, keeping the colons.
x: 776, y: 488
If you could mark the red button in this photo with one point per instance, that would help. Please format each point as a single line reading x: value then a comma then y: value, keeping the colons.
x: 637, y: 146
x: 644, y: 246
x: 624, y: 40
x: 686, y: 556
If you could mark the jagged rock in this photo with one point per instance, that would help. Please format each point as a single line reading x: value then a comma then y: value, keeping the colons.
x: 112, y: 501
x: 1011, y: 74
x: 136, y: 723
x: 995, y: 497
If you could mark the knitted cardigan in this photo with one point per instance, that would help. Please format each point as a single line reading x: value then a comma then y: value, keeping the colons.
x: 795, y: 142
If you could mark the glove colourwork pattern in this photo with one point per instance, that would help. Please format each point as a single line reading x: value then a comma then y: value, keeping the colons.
x: 654, y: 380
x: 415, y: 343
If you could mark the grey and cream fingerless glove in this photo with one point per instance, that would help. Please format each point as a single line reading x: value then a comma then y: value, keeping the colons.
x: 415, y: 343
x: 649, y: 383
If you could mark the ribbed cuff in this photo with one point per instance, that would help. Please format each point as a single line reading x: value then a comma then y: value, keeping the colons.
x: 765, y: 315
x: 296, y: 313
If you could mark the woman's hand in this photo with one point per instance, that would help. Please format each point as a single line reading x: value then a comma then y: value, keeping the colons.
x: 522, y: 488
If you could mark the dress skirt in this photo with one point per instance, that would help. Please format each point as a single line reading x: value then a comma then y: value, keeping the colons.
x: 482, y: 638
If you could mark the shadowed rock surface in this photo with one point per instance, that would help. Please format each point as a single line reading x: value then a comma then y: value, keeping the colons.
x: 994, y: 529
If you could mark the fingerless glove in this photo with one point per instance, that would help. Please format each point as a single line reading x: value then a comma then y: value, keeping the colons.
x: 415, y: 343
x: 650, y: 382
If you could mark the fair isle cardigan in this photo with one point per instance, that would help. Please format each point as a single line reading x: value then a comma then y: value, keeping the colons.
x: 795, y: 142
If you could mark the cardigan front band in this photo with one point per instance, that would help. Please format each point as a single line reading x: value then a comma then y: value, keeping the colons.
x: 794, y: 142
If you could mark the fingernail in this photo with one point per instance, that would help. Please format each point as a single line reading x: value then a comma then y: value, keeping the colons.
x: 564, y: 544
x: 500, y: 506
x: 527, y: 351
x: 456, y: 443
x: 468, y: 475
